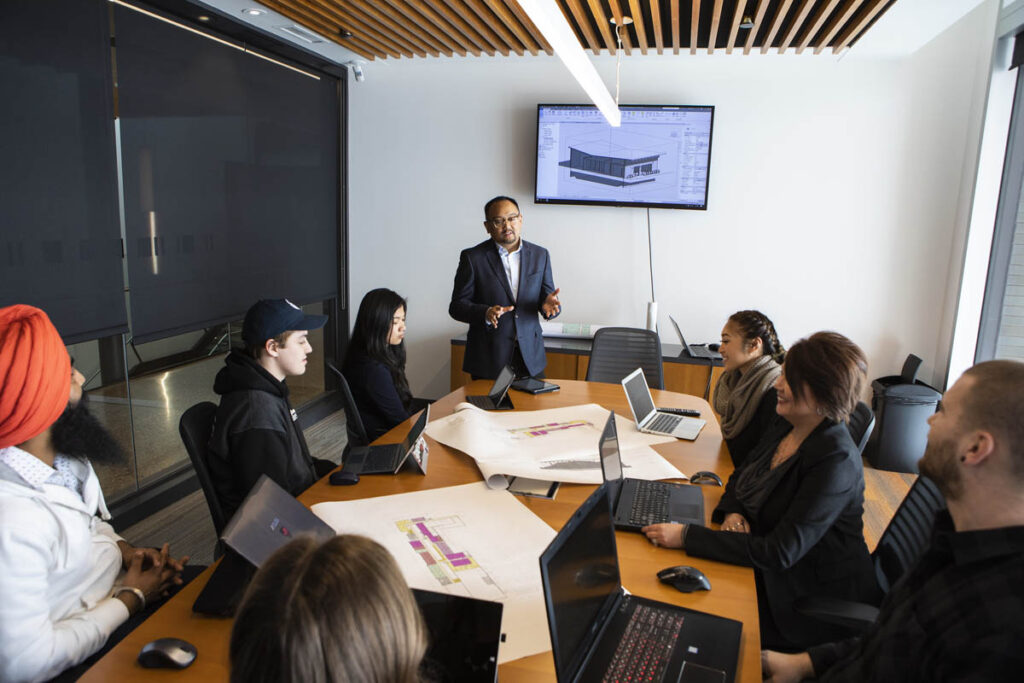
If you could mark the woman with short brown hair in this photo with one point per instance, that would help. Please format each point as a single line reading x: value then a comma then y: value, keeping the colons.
x: 793, y: 511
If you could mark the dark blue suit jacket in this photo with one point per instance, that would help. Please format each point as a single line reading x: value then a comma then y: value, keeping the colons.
x: 480, y: 282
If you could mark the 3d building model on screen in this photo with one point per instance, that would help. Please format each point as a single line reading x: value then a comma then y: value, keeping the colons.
x: 618, y: 171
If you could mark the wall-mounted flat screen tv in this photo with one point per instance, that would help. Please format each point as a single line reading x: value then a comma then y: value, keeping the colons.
x: 659, y: 157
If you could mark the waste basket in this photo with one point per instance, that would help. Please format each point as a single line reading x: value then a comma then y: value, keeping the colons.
x: 902, y: 406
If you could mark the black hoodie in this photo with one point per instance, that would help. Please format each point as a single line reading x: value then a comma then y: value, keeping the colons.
x: 255, y: 433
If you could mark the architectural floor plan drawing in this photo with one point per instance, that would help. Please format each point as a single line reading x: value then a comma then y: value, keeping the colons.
x: 465, y: 540
x: 558, y: 444
x: 451, y: 567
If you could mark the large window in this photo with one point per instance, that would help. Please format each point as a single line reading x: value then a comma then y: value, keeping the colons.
x: 225, y: 164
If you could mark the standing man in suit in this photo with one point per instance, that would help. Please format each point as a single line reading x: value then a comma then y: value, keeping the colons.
x: 500, y: 287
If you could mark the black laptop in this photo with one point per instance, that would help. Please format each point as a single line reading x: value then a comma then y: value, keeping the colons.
x: 638, y: 502
x: 601, y: 633
x: 389, y: 458
x: 497, y: 398
x: 697, y: 350
x: 463, y: 637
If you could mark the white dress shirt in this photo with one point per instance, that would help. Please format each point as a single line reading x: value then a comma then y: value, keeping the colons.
x: 510, y: 261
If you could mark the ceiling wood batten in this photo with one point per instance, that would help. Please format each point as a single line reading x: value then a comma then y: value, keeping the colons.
x: 380, y: 29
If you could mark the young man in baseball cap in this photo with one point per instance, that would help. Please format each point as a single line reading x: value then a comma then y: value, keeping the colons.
x: 255, y: 431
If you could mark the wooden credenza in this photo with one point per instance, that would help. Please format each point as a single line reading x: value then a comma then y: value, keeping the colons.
x: 568, y: 359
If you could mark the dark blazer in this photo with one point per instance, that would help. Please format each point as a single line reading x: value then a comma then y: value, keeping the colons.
x: 480, y: 282
x: 744, y: 442
x: 808, y: 537
x: 373, y: 389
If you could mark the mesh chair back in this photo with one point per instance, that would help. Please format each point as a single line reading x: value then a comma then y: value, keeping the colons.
x: 353, y: 421
x: 195, y: 427
x: 861, y: 424
x: 618, y: 351
x: 909, y: 532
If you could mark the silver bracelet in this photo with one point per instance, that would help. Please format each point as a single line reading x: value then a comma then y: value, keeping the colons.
x: 138, y: 593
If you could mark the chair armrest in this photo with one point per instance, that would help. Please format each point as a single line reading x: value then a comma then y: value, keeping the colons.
x: 856, y: 615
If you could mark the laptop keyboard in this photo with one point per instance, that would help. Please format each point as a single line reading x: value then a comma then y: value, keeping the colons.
x: 664, y: 423
x: 646, y: 647
x: 383, y: 458
x: 650, y: 503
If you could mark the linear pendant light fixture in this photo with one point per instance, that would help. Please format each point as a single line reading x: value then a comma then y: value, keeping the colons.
x: 552, y: 24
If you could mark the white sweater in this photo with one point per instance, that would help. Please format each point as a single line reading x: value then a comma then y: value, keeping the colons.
x: 58, y: 565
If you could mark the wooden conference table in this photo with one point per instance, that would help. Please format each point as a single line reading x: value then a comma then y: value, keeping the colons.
x: 733, y: 593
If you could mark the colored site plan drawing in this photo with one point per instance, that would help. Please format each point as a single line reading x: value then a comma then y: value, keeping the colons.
x: 451, y: 567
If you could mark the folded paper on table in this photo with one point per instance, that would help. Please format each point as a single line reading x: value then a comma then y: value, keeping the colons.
x: 464, y: 540
x: 559, y: 444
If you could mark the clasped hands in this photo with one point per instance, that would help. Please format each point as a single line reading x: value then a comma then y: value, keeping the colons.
x: 550, y: 307
x: 150, y: 570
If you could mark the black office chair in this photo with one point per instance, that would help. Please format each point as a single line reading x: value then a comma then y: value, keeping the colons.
x: 353, y: 421
x: 195, y: 427
x: 618, y: 351
x: 861, y: 424
x: 901, y: 545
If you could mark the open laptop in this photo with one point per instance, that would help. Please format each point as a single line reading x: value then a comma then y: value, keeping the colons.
x: 648, y: 419
x: 599, y: 632
x: 463, y: 637
x: 267, y: 519
x: 497, y: 398
x: 638, y: 502
x: 697, y: 350
x: 389, y: 458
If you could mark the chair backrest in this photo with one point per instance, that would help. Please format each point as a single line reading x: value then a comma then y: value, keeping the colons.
x: 353, y: 420
x: 861, y: 424
x: 195, y: 427
x: 909, y: 532
x: 618, y: 351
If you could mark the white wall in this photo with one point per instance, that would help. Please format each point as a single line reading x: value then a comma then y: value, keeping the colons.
x: 834, y: 202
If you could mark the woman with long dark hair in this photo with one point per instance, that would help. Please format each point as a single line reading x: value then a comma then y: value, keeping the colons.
x: 375, y: 363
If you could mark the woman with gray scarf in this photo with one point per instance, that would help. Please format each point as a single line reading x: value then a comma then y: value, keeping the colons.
x: 744, y: 396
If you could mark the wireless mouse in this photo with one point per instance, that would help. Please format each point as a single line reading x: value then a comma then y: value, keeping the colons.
x: 685, y: 579
x: 343, y: 478
x: 167, y: 653
x: 705, y: 477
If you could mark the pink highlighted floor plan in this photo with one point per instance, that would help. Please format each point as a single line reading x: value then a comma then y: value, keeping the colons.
x: 455, y: 570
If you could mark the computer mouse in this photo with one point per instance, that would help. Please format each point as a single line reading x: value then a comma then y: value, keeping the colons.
x: 685, y: 579
x: 167, y: 653
x: 705, y: 477
x: 343, y: 478
x: 713, y: 347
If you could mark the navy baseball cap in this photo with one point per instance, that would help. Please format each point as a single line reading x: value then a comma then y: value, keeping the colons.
x: 268, y: 318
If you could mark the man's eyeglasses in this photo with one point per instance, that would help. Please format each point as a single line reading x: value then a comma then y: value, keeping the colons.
x: 502, y: 221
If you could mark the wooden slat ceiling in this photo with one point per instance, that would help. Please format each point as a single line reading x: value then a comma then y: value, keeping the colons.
x: 379, y: 29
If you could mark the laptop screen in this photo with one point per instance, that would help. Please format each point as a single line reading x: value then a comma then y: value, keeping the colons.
x: 611, y: 464
x: 464, y: 637
x: 502, y: 383
x: 638, y: 395
x: 417, y: 429
x: 580, y: 571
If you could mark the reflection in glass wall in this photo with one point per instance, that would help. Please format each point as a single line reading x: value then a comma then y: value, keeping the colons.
x: 164, y: 378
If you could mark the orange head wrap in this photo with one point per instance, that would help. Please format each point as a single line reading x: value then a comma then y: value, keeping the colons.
x: 35, y: 374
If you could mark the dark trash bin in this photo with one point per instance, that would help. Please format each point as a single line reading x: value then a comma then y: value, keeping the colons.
x: 902, y: 406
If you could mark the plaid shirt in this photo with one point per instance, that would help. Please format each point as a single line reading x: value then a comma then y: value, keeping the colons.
x: 958, y: 615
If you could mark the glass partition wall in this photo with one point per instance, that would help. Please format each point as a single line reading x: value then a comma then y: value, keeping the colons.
x: 139, y: 392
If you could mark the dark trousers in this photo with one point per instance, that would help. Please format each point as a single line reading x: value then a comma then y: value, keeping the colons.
x: 190, y: 572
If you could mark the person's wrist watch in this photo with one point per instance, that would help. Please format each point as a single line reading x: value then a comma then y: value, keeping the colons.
x: 131, y: 589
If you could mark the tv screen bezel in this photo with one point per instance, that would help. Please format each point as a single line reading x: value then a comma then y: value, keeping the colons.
x: 649, y: 205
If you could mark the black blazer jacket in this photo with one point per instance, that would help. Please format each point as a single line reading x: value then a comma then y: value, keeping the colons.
x: 808, y: 537
x: 480, y: 282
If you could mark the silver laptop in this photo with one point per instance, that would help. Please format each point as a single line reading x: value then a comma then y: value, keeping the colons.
x: 697, y: 350
x: 389, y: 458
x: 648, y: 419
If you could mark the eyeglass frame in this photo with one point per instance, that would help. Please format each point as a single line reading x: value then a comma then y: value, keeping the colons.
x: 502, y: 221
